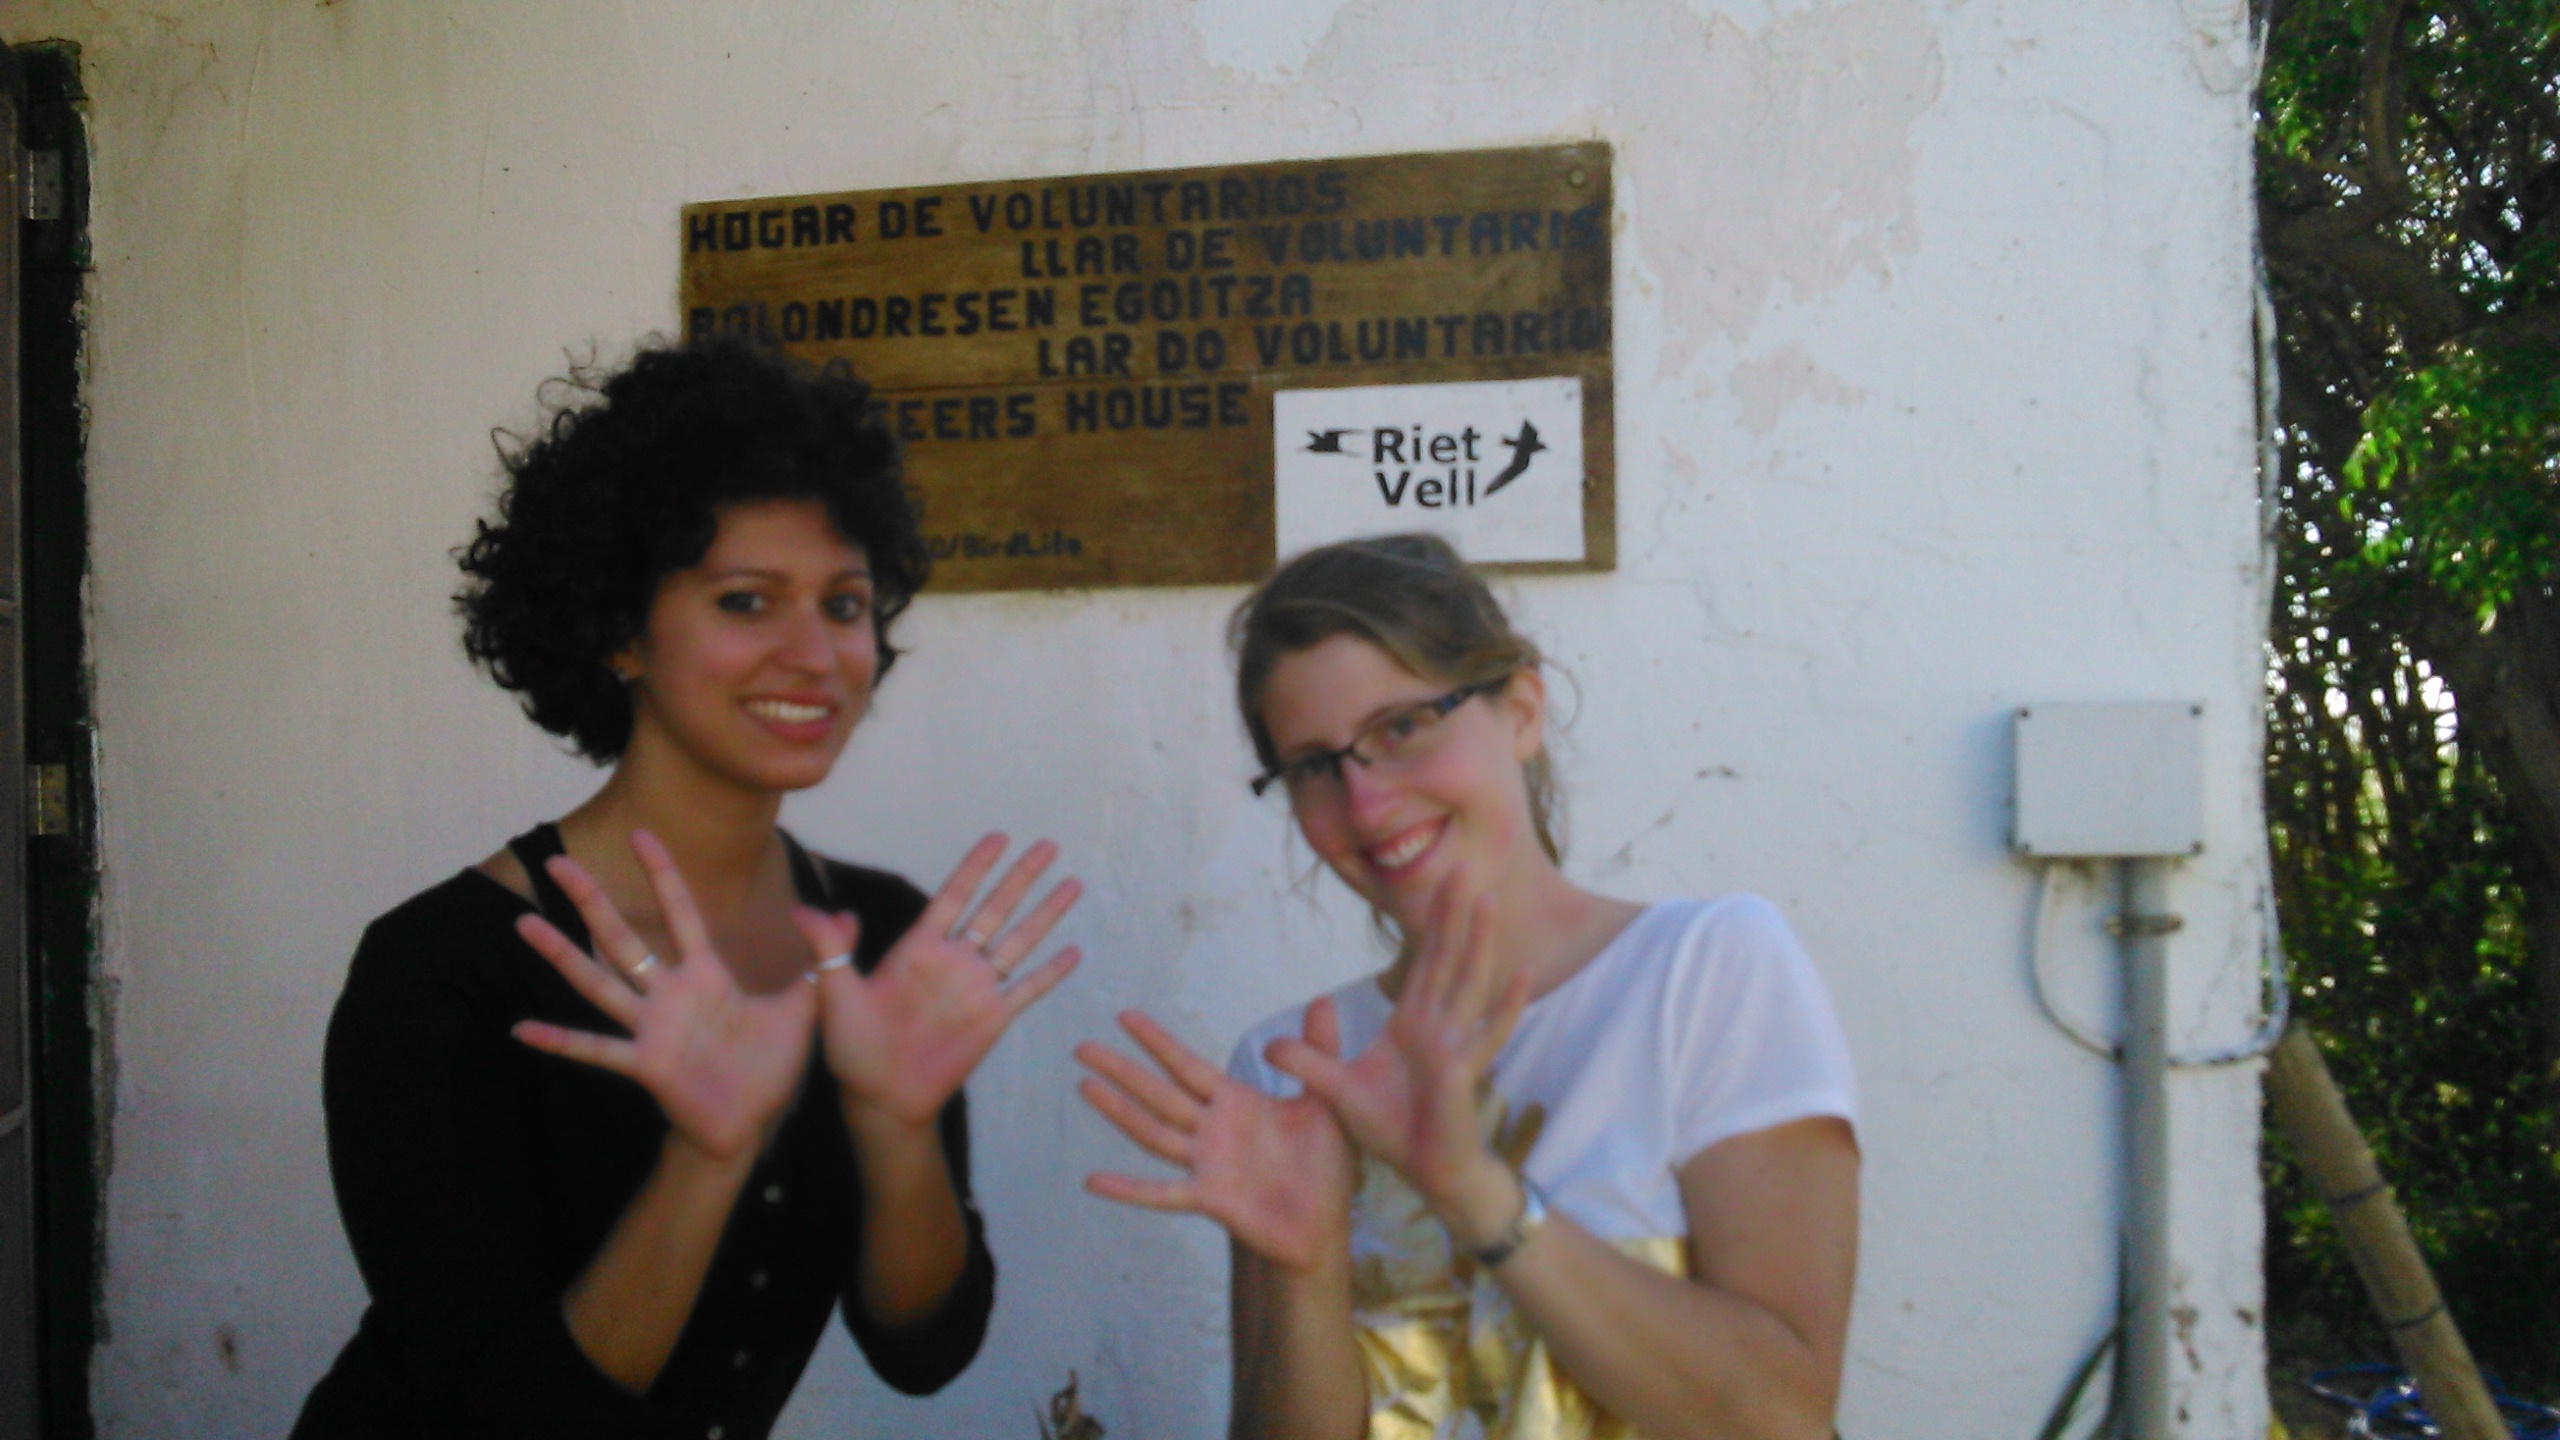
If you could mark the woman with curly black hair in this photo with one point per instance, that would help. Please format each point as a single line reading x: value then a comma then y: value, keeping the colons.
x: 618, y: 1115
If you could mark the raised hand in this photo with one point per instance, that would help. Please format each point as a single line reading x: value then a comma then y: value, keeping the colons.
x: 1411, y: 1098
x: 901, y: 1039
x: 721, y: 1063
x: 1277, y: 1174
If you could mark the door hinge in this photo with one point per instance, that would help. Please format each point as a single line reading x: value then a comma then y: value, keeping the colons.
x: 48, y: 799
x: 44, y: 184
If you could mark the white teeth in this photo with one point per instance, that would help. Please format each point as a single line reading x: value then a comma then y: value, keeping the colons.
x: 1404, y: 852
x: 786, y: 712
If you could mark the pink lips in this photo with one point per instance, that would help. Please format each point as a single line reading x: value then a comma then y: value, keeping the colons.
x: 1411, y: 847
x: 800, y: 721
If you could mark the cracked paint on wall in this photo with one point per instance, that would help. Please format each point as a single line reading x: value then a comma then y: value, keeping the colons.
x: 1778, y: 163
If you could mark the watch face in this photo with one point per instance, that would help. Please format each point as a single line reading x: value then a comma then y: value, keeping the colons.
x: 1533, y: 1213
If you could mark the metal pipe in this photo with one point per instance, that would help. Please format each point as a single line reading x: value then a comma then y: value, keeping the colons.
x: 2143, y: 927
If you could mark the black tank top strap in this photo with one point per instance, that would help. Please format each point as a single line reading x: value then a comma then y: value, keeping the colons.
x: 531, y: 849
x: 808, y: 875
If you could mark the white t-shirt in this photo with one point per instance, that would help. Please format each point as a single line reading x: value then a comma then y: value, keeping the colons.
x: 1702, y: 1020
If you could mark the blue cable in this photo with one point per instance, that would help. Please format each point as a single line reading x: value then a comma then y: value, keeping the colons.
x: 2391, y: 1409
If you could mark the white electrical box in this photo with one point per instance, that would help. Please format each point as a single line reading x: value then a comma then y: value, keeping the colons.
x: 2114, y: 780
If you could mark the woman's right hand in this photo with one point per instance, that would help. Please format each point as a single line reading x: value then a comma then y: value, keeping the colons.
x: 1278, y: 1174
x: 721, y: 1063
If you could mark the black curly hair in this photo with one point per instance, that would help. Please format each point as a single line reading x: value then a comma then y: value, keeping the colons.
x: 622, y: 484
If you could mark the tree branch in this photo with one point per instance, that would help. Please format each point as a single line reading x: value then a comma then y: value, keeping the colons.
x: 2535, y: 324
x: 2506, y: 686
x: 2378, y: 101
x: 2343, y: 240
x: 2334, y: 429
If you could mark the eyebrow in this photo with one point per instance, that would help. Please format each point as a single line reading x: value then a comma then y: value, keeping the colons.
x: 1372, y: 718
x: 755, y: 572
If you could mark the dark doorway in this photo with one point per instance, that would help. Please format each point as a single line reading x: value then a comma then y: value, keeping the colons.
x: 60, y: 870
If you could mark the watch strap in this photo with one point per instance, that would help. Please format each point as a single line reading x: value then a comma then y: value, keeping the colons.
x: 1533, y: 1214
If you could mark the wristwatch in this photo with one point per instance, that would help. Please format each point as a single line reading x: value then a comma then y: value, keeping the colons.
x: 1533, y: 1214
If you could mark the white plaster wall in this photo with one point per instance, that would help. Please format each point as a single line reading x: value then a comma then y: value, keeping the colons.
x: 1934, y: 398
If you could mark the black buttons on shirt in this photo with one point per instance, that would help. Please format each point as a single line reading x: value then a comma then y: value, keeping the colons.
x: 443, y: 973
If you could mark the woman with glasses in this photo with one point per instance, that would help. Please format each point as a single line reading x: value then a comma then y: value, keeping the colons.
x: 1570, y: 1167
x: 619, y: 1115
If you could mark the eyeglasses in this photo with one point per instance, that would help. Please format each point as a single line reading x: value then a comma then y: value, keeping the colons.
x: 1391, y: 743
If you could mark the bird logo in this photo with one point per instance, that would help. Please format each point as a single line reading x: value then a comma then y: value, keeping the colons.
x: 1523, y: 446
x: 1328, y: 442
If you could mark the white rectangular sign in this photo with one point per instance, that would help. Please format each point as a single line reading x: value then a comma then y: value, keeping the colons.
x: 1494, y: 466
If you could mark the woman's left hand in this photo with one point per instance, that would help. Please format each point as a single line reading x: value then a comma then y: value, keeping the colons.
x: 901, y: 1039
x: 1411, y: 1098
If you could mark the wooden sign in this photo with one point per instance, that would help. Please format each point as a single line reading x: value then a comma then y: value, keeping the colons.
x: 1083, y: 370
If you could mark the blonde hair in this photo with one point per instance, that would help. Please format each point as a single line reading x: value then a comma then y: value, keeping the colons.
x: 1413, y: 597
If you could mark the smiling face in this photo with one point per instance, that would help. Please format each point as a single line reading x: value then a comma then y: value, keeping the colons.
x: 755, y: 664
x: 1394, y: 833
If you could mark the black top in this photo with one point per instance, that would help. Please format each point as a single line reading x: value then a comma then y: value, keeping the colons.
x: 478, y: 1177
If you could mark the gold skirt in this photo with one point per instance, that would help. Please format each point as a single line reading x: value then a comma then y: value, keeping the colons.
x: 1445, y: 1354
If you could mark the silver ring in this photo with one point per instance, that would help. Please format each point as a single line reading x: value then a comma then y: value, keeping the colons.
x: 644, y: 965
x: 979, y: 942
x: 837, y: 962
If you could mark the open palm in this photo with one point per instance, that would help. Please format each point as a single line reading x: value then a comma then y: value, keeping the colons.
x: 1411, y: 1098
x: 1277, y: 1174
x: 902, y: 1039
x: 721, y: 1063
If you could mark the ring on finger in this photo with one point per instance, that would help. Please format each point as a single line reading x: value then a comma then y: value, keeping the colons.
x: 644, y: 965
x: 980, y: 943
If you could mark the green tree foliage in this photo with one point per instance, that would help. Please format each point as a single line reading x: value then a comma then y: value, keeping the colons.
x: 2396, y: 881
x: 2409, y: 157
